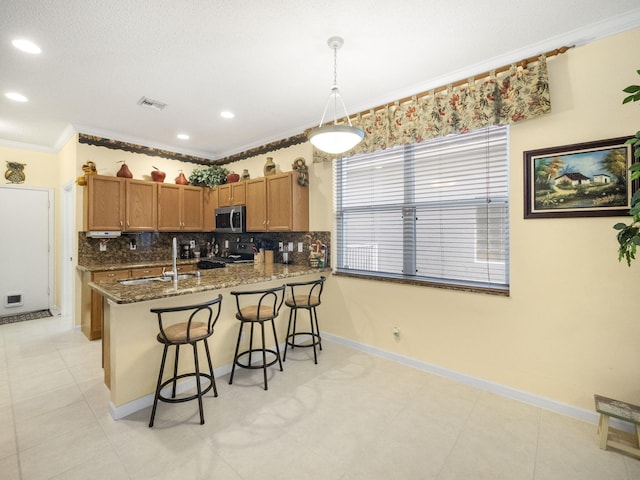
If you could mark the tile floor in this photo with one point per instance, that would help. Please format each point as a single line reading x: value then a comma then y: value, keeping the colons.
x: 351, y: 417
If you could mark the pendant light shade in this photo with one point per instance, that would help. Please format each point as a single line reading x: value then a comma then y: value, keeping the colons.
x: 335, y: 138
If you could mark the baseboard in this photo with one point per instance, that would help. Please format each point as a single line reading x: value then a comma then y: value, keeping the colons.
x: 508, y: 392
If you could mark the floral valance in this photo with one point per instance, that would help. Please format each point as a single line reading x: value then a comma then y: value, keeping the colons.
x: 519, y: 93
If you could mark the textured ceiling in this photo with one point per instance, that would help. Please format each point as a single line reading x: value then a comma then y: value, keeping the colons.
x: 267, y: 61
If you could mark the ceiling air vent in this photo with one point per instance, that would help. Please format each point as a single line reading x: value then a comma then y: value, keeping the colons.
x: 154, y: 104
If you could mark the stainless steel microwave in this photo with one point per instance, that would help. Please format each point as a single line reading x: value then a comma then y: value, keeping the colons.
x: 231, y: 219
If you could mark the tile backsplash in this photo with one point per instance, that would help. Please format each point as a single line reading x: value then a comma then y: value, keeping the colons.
x: 157, y: 246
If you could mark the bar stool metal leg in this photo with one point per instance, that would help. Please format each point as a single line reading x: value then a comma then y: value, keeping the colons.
x: 158, y: 386
x: 198, y: 384
x: 235, y: 355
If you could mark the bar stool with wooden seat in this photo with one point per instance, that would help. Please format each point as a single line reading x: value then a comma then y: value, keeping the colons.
x: 197, y: 328
x: 250, y: 312
x: 307, y: 296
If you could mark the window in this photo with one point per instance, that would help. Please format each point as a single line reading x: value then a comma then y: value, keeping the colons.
x: 433, y: 212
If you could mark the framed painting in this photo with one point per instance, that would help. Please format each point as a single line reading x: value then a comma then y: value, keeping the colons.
x: 581, y: 180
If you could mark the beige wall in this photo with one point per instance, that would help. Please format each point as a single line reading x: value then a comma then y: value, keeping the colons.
x: 570, y: 327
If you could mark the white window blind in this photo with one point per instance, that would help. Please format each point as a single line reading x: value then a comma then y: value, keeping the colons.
x: 436, y: 211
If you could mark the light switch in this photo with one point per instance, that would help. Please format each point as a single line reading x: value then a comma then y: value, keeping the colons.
x: 290, y: 247
x: 300, y: 247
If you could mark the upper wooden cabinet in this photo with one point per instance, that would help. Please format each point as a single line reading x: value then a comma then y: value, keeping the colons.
x: 141, y: 206
x: 104, y: 203
x: 180, y: 207
x: 210, y: 205
x: 277, y: 203
x: 232, y: 194
x: 256, y: 211
x: 114, y: 203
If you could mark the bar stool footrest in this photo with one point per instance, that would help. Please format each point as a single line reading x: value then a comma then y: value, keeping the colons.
x: 258, y: 353
x: 316, y: 340
x: 190, y: 397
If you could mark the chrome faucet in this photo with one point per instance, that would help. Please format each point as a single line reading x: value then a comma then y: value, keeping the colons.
x: 174, y: 273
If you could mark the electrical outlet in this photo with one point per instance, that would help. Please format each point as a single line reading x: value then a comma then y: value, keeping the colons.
x: 396, y: 331
x: 103, y: 246
x: 132, y: 246
x: 192, y: 244
x: 281, y: 246
x: 300, y: 247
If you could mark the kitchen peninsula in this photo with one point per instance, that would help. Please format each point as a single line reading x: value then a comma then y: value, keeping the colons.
x: 131, y: 353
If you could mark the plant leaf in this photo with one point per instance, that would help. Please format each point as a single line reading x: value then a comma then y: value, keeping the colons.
x: 631, y: 89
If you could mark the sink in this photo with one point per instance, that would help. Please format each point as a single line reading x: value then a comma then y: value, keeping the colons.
x: 138, y: 281
x: 181, y: 276
x: 145, y: 281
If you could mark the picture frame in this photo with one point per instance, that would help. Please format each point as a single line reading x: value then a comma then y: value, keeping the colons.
x: 588, y: 179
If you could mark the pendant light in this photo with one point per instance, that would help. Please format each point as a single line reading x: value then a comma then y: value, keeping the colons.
x: 335, y: 138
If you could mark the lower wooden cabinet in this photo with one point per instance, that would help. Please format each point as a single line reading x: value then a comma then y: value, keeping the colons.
x: 92, y: 324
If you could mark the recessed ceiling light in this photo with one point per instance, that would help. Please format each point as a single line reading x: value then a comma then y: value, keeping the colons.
x: 26, y: 46
x: 227, y: 114
x: 16, y: 97
x: 183, y: 136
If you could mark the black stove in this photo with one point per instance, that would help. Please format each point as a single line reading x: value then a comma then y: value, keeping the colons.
x: 234, y: 258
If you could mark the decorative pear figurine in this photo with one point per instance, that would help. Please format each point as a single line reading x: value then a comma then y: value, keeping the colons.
x: 157, y: 175
x: 124, y: 171
x: 181, y: 179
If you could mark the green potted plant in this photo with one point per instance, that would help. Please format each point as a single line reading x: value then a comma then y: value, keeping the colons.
x: 208, y: 177
x: 629, y: 234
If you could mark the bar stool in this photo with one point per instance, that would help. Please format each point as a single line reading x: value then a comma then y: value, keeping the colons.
x: 186, y: 333
x: 265, y: 310
x: 304, y: 295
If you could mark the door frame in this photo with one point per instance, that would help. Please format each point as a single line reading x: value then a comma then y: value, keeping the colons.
x: 67, y: 252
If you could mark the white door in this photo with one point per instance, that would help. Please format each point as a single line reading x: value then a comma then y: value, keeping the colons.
x: 25, y: 260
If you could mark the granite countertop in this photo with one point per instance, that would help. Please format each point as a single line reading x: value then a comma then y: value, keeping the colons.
x: 240, y: 274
